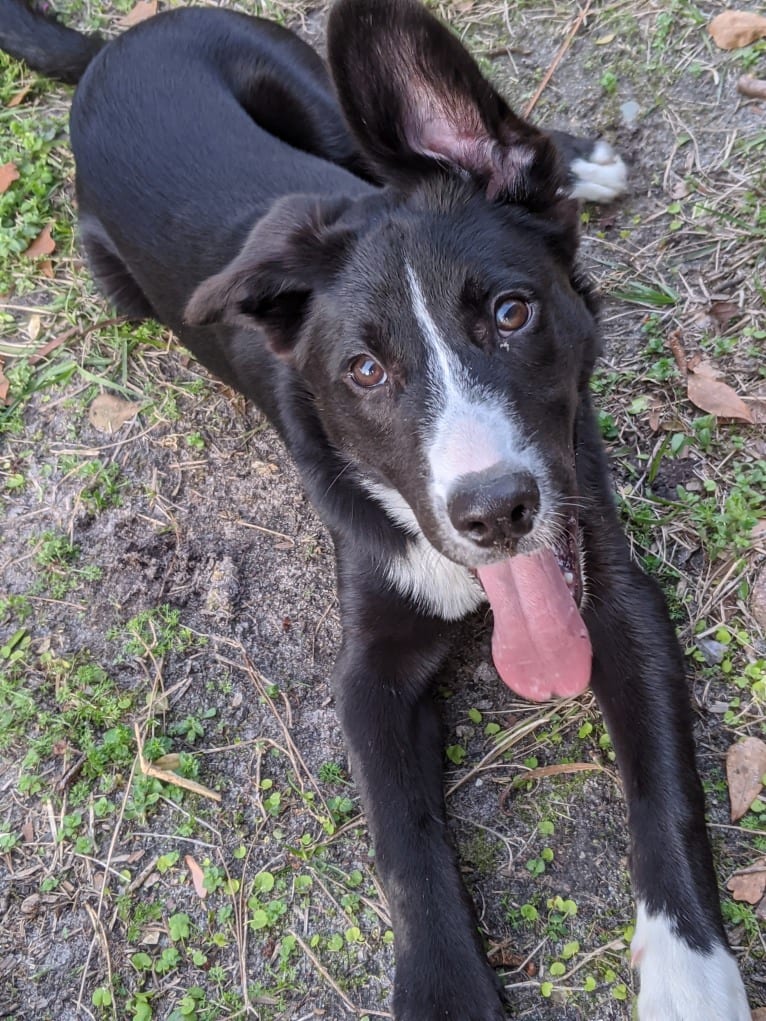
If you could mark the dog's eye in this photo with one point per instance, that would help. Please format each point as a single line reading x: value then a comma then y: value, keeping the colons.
x: 366, y: 372
x: 511, y: 314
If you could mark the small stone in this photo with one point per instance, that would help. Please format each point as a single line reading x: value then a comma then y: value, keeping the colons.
x: 712, y: 651
x: 630, y: 111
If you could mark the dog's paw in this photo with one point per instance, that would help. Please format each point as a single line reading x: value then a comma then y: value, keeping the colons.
x: 678, y: 983
x: 600, y: 176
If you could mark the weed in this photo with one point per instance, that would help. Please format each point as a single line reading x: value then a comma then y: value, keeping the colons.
x: 156, y: 632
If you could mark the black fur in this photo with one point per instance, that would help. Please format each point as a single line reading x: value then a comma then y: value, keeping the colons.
x: 221, y: 192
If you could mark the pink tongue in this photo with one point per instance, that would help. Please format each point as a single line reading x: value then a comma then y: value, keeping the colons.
x: 540, y: 644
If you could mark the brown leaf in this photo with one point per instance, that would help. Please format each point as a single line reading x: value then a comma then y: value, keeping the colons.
x: 749, y: 885
x: 198, y: 876
x: 745, y: 767
x: 724, y: 311
x: 144, y: 9
x: 108, y: 412
x: 703, y: 368
x: 43, y: 244
x: 9, y: 173
x: 28, y: 831
x: 33, y: 326
x: 675, y: 342
x: 170, y: 761
x: 20, y: 96
x: 734, y: 29
x: 753, y: 88
x: 713, y: 396
x: 5, y: 384
x: 758, y: 594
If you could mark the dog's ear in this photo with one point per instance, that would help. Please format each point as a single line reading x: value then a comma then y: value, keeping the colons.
x: 295, y: 248
x: 416, y: 100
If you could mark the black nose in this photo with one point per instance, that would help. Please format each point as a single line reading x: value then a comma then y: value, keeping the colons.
x: 494, y: 510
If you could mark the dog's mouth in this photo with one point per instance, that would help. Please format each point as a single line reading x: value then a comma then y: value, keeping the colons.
x: 540, y: 644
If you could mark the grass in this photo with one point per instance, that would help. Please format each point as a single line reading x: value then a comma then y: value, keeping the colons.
x: 178, y: 906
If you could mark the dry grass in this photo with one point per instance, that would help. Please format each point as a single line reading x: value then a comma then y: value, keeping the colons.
x: 194, y: 505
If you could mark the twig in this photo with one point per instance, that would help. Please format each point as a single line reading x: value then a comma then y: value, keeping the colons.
x: 333, y: 984
x: 73, y: 331
x: 558, y: 58
x: 753, y: 88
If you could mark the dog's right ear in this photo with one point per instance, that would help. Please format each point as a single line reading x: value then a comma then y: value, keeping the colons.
x: 295, y: 248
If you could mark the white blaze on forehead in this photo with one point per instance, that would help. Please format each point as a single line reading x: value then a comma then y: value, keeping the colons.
x: 473, y: 428
x: 445, y: 368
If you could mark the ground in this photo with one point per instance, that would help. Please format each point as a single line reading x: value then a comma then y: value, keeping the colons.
x: 167, y: 596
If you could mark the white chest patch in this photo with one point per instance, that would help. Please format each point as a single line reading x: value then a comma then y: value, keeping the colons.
x: 434, y: 583
x: 681, y: 984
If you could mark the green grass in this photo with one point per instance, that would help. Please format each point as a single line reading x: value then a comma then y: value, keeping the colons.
x: 102, y: 628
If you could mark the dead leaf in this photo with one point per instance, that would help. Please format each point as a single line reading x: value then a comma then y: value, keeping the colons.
x: 33, y: 326
x: 9, y: 173
x: 31, y: 904
x: 43, y: 244
x: 170, y: 761
x: 734, y: 29
x: 675, y: 342
x: 724, y: 311
x: 108, y: 412
x: 745, y: 767
x: 749, y: 885
x: 703, y: 368
x: 198, y: 876
x: 604, y: 40
x: 759, y: 1014
x: 714, y: 396
x: 28, y: 831
x: 19, y: 97
x: 758, y: 595
x: 753, y: 88
x: 5, y: 384
x: 144, y: 9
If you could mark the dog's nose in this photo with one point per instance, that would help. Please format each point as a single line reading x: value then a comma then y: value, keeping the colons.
x: 494, y: 510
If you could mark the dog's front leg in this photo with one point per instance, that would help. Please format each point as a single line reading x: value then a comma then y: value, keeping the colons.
x: 687, y: 972
x: 384, y: 674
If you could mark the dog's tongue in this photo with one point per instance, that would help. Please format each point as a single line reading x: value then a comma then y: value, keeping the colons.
x: 540, y: 644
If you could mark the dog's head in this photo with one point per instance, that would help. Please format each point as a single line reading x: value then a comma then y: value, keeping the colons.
x: 439, y: 324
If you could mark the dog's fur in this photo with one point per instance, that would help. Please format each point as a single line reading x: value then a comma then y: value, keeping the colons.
x: 221, y: 192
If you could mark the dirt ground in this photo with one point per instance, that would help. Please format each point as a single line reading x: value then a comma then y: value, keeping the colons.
x: 167, y: 589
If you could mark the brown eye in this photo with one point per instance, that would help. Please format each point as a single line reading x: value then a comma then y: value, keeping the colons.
x: 511, y: 314
x: 366, y: 372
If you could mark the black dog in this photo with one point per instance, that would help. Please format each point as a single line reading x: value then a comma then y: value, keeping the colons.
x: 402, y: 301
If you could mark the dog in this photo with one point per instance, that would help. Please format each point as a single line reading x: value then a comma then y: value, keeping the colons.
x: 384, y: 261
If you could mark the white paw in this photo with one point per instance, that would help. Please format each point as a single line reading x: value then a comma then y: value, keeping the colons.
x: 681, y: 984
x: 600, y: 178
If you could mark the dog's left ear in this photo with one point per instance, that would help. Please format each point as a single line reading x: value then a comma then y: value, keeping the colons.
x: 292, y: 250
x: 416, y: 100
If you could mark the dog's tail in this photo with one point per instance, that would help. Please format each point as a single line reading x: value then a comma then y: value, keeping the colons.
x: 41, y: 41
